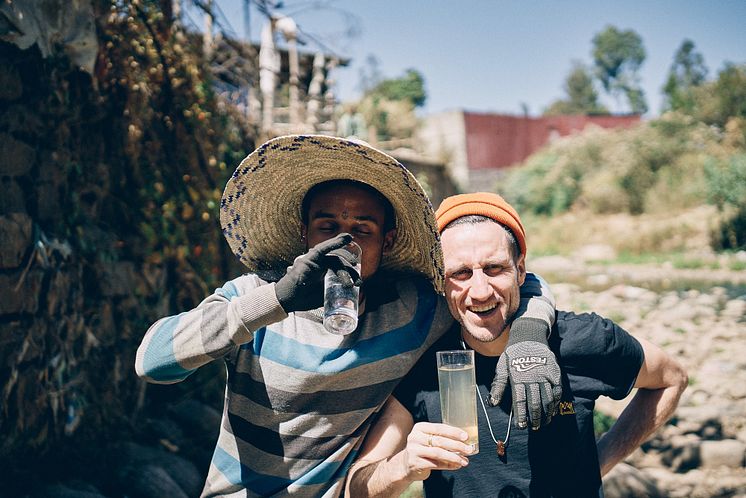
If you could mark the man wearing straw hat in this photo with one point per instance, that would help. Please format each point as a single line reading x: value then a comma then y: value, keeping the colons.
x: 299, y: 399
x: 484, y: 247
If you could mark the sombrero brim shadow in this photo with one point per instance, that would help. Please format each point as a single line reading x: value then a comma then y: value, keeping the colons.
x: 260, y: 211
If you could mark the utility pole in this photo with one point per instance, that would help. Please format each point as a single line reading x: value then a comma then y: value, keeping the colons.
x: 247, y: 20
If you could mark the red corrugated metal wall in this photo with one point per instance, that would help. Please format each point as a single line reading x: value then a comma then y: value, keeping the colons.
x: 497, y: 140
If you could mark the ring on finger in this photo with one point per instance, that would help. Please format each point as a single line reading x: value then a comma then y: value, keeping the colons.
x: 430, y: 440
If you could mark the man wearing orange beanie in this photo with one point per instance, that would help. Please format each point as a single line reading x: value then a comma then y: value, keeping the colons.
x: 538, y: 377
x: 484, y: 248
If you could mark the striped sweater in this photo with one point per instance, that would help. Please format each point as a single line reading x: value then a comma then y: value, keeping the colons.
x: 299, y: 400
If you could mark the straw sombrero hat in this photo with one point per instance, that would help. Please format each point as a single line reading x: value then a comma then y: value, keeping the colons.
x: 261, y: 207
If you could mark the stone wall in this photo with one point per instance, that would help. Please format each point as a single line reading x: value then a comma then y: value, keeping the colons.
x: 79, y: 280
x: 57, y: 312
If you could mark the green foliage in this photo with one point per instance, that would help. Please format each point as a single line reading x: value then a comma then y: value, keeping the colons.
x: 602, y: 423
x: 730, y: 93
x: 726, y: 182
x: 617, y: 57
x: 654, y: 167
x: 687, y: 71
x: 135, y: 158
x: 180, y: 144
x: 526, y: 187
x: 408, y: 88
x: 636, y: 99
x: 737, y: 266
x: 713, y: 102
x: 582, y: 97
x: 388, y: 106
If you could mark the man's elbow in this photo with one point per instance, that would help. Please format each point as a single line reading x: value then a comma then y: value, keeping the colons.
x: 675, y: 381
x: 681, y: 379
x: 156, y: 369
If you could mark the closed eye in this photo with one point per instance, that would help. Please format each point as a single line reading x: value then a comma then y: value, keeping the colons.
x: 327, y: 227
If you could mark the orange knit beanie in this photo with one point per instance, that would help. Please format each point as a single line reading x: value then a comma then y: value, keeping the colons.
x: 485, y: 204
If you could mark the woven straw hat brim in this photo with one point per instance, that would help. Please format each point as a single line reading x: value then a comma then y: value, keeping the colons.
x: 260, y: 210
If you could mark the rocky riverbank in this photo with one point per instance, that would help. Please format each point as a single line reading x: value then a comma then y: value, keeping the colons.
x: 699, y: 316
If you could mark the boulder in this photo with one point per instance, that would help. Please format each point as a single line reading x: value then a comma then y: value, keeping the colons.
x: 625, y: 481
x: 16, y: 157
x: 75, y: 490
x: 682, y: 454
x: 13, y: 199
x: 133, y: 458
x: 149, y: 481
x: 16, y: 232
x: 727, y: 453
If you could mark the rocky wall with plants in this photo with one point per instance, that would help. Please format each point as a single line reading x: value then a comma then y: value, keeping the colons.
x: 111, y: 183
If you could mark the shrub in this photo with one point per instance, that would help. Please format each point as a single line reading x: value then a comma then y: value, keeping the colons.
x: 602, y: 423
x: 654, y: 167
x: 727, y: 190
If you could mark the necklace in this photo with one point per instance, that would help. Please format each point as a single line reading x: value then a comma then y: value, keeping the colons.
x: 501, y: 444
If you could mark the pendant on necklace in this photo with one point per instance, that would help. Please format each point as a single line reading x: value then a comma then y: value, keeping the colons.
x: 500, y: 448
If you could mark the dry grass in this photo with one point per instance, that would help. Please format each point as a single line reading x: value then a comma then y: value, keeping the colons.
x: 685, y: 231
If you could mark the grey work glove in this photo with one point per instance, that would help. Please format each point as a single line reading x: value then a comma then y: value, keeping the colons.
x: 302, y: 287
x: 527, y: 361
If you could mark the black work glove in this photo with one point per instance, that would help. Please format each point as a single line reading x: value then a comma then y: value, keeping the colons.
x: 345, y: 266
x: 533, y: 372
x: 302, y: 287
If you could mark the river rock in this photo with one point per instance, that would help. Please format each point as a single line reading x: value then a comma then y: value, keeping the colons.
x: 133, y: 458
x: 625, y: 481
x: 149, y: 481
x: 728, y: 453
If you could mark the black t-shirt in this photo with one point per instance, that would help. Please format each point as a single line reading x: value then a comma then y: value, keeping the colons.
x: 597, y: 358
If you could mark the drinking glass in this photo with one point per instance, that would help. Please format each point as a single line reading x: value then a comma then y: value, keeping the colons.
x: 341, y: 296
x: 458, y: 403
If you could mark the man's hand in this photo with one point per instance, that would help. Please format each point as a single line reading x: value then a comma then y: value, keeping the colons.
x: 431, y: 447
x: 397, y: 452
x: 302, y: 287
x: 533, y: 372
x: 527, y: 361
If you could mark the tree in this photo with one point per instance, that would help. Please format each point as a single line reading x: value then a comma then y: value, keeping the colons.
x: 617, y: 57
x: 730, y: 92
x: 687, y: 71
x: 582, y: 97
x: 388, y: 106
x: 409, y: 88
x: 722, y: 100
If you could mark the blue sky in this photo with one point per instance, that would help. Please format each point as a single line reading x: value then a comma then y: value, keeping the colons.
x: 498, y: 55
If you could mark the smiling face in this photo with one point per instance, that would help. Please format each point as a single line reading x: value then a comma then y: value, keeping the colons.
x: 340, y: 207
x: 482, y: 282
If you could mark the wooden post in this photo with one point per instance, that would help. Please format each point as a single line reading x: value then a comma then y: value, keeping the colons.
x: 289, y: 30
x: 207, y: 41
x: 314, y: 92
x: 269, y: 67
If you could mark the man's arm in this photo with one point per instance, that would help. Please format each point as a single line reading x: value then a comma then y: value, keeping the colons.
x: 660, y: 382
x: 397, y: 453
x: 176, y: 346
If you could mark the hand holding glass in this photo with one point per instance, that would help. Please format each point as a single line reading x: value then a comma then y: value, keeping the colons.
x: 341, y: 296
x: 458, y: 403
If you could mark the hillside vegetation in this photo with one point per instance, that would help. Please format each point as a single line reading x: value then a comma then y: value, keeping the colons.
x: 670, y: 184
